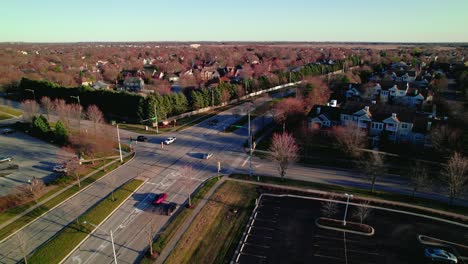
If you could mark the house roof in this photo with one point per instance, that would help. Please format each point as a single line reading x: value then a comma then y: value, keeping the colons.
x: 331, y: 113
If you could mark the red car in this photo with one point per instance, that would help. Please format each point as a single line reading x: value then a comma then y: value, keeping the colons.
x: 159, y: 198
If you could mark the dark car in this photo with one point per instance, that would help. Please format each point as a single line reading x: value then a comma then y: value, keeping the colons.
x: 142, y: 139
x: 171, y: 207
x: 213, y: 122
x: 159, y: 198
x: 8, y: 131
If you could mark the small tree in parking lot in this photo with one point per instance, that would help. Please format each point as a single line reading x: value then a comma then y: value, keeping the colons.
x: 362, y: 211
x: 329, y: 208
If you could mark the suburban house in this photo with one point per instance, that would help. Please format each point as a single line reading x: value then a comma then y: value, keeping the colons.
x: 396, y: 95
x: 404, y: 76
x: 100, y: 85
x: 134, y: 84
x: 352, y: 92
x: 395, y: 123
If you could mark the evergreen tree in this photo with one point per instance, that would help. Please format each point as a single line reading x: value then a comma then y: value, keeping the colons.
x: 60, y: 133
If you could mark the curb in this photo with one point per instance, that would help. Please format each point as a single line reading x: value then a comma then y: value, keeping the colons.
x: 73, y: 195
x: 345, y: 230
x: 102, y: 222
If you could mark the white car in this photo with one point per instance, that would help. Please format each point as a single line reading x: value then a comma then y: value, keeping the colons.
x: 169, y: 140
x: 207, y: 155
x: 5, y: 159
x: 60, y: 168
x: 437, y: 254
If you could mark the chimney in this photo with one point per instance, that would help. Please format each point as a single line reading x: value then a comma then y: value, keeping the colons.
x: 366, y: 108
x: 318, y: 110
x: 429, y: 124
x: 407, y: 86
x: 374, y: 102
x: 393, y: 115
x: 416, y: 92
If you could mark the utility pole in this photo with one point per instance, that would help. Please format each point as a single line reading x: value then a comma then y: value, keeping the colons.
x: 120, y: 148
x: 156, y: 119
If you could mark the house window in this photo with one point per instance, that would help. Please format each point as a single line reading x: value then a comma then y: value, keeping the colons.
x: 377, y: 126
x: 404, y: 126
x: 345, y: 117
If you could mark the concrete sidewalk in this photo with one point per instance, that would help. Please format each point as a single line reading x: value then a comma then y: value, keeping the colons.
x: 171, y: 245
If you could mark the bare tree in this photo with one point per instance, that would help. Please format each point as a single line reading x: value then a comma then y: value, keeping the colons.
x: 455, y: 173
x: 187, y: 174
x: 150, y: 235
x: 444, y: 138
x: 362, y: 211
x: 95, y: 115
x: 283, y: 151
x: 30, y: 109
x: 351, y: 138
x: 72, y: 166
x: 75, y: 113
x: 47, y: 105
x: 62, y: 110
x: 418, y: 177
x: 373, y: 167
x: 329, y: 208
x: 20, y: 236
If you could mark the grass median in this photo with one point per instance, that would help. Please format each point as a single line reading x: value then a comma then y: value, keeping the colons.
x: 178, y: 220
x: 10, y: 110
x: 58, y: 247
x: 31, y: 216
x: 214, y: 233
x: 428, y: 203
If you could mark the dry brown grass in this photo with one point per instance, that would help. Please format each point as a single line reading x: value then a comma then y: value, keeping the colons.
x: 213, y: 234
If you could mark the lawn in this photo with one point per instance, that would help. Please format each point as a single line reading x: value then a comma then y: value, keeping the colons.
x: 10, y: 110
x: 359, y: 192
x: 4, y: 116
x: 213, y: 235
x: 58, y: 247
x: 29, y: 217
x: 178, y: 220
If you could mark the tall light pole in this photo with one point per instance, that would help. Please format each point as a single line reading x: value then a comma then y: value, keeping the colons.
x: 77, y: 98
x: 347, y: 204
x: 32, y: 91
x: 120, y: 148
x: 111, y: 236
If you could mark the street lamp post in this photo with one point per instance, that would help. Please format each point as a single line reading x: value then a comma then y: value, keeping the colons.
x: 111, y: 236
x: 156, y: 119
x: 347, y: 204
x: 77, y: 98
x: 33, y: 92
x: 120, y: 147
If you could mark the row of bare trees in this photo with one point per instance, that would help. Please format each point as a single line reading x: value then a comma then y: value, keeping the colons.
x: 70, y: 114
x: 284, y: 151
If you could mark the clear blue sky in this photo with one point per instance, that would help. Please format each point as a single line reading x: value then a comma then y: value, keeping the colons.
x: 238, y: 20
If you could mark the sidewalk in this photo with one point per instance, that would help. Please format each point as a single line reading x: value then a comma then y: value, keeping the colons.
x: 171, y: 245
x: 50, y: 198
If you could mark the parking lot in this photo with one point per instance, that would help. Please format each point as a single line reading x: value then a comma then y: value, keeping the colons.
x: 283, y: 230
x: 33, y: 157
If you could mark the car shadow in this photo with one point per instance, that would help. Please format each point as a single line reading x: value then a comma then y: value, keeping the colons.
x: 196, y: 155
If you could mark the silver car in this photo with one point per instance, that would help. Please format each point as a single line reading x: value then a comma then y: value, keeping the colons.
x: 5, y: 159
x: 437, y: 254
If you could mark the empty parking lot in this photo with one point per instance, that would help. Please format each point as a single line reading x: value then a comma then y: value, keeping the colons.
x: 283, y: 230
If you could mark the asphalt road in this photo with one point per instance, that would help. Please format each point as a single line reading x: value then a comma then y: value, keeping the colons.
x: 161, y: 167
x: 132, y: 222
x: 343, y: 177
